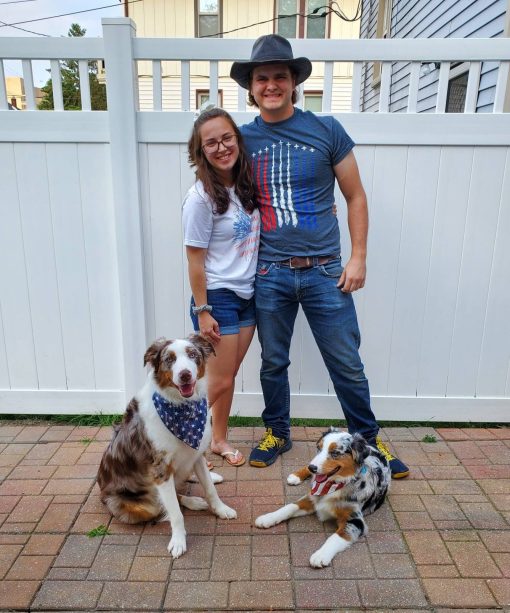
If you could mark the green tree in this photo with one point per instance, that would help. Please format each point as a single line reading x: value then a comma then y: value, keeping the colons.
x: 71, y: 83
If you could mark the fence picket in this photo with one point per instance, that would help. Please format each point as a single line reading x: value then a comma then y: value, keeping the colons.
x: 356, y: 87
x: 157, y: 92
x: 29, y: 84
x: 501, y: 86
x: 56, y: 84
x: 3, y: 91
x: 83, y: 68
x: 185, y: 85
x: 442, y: 90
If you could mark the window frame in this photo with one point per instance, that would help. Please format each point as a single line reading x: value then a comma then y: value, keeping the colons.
x: 301, y: 22
x: 383, y: 30
x: 198, y: 14
x: 313, y: 92
x: 457, y: 71
x: 201, y: 92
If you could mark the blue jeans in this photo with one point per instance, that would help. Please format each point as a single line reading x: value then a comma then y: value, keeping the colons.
x: 279, y: 290
x: 230, y: 311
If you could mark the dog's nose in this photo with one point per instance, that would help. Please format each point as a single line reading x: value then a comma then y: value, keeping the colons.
x: 185, y: 376
x: 312, y: 468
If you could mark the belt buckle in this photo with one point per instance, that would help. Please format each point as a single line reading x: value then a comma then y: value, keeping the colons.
x: 290, y: 263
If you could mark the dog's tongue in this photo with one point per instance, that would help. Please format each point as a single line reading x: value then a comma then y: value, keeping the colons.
x: 187, y: 390
x: 320, y: 478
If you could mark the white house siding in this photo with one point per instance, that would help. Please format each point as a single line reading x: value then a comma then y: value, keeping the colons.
x: 175, y: 18
x: 433, y: 19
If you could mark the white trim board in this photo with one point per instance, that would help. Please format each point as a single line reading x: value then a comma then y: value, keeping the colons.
x: 387, y: 408
x: 365, y: 128
x: 61, y: 402
x: 175, y: 127
x: 54, y: 127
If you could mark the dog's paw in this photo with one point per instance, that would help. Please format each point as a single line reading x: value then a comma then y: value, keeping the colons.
x: 293, y: 479
x: 177, y: 546
x: 225, y: 512
x: 319, y: 559
x: 266, y: 521
x: 216, y: 478
x: 194, y: 503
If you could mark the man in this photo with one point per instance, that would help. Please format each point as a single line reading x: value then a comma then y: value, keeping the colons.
x: 296, y: 158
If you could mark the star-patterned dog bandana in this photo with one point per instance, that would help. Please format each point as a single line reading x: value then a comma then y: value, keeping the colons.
x: 186, y: 421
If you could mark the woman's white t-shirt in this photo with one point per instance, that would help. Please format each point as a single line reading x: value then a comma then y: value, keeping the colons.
x: 231, y: 240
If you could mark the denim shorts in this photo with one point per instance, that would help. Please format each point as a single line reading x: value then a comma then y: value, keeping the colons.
x: 229, y: 310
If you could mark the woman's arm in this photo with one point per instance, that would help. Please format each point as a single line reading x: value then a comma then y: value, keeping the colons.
x: 209, y: 327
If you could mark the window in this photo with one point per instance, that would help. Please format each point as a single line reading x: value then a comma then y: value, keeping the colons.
x: 292, y: 20
x: 313, y: 101
x: 383, y: 30
x: 287, y: 19
x: 203, y: 98
x: 208, y: 18
x: 315, y: 23
x: 457, y: 88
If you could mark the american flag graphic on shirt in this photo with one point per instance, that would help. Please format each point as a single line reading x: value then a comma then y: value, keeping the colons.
x: 246, y: 232
x: 185, y: 421
x: 278, y: 169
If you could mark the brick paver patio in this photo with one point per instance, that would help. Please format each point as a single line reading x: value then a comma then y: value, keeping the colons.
x: 441, y: 541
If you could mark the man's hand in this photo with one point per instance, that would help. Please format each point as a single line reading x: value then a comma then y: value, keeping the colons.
x: 353, y: 276
x: 209, y: 327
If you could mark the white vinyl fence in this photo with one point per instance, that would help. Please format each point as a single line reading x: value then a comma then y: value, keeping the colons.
x: 92, y: 266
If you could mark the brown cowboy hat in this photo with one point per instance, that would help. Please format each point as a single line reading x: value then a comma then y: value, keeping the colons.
x: 270, y: 49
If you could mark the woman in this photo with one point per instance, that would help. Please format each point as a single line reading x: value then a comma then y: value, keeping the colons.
x: 221, y: 233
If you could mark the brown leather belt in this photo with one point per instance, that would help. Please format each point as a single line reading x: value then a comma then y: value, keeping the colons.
x: 307, y: 262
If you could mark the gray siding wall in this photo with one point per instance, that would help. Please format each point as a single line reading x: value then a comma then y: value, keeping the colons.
x: 432, y: 19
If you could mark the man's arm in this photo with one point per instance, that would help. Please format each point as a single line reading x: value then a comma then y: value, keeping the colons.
x: 349, y: 181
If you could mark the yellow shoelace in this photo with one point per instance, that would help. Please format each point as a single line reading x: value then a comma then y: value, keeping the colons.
x: 269, y: 441
x: 383, y: 449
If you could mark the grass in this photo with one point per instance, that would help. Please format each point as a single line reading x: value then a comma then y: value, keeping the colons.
x: 101, y: 419
x: 238, y: 420
x: 101, y: 530
x: 429, y: 438
x: 86, y: 441
x: 97, y: 419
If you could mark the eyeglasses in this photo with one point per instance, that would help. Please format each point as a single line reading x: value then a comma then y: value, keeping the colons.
x: 212, y: 146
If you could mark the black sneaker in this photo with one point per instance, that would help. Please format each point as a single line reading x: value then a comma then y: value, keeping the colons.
x: 269, y: 449
x: 398, y: 469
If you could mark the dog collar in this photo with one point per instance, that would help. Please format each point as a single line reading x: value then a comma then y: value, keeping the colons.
x: 185, y: 421
x: 326, y: 487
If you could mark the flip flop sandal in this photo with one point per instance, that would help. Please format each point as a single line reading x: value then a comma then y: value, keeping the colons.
x: 234, y: 454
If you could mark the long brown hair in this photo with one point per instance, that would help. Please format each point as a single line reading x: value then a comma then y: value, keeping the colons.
x: 213, y: 186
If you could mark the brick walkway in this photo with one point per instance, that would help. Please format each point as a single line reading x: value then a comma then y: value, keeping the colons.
x: 441, y: 542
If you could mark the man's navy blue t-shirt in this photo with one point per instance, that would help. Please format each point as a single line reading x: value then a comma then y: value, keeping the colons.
x: 292, y: 162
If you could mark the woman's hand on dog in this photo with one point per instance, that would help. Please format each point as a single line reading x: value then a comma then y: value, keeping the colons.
x: 209, y: 327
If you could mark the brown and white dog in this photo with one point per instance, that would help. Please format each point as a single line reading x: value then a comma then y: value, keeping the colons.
x: 350, y: 479
x: 162, y: 439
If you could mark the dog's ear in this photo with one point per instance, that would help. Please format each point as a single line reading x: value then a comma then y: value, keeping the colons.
x: 203, y: 344
x: 153, y: 352
x: 359, y: 448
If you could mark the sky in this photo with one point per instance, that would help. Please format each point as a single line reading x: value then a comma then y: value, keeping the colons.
x: 12, y: 11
